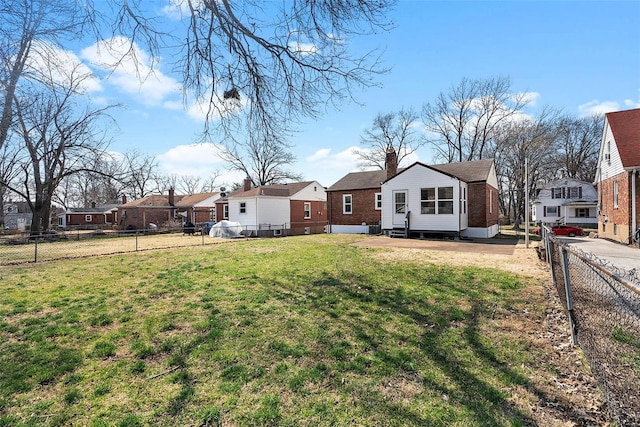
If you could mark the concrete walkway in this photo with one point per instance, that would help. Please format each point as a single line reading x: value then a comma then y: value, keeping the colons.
x: 622, y: 256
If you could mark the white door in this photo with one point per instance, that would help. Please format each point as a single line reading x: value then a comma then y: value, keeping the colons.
x: 399, y: 207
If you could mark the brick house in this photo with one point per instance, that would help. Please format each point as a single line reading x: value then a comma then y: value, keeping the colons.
x: 279, y: 209
x: 357, y: 201
x: 617, y: 177
x: 93, y: 217
x: 170, y: 209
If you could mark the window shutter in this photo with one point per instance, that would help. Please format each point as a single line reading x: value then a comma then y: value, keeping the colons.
x: 553, y: 196
x: 545, y: 211
x: 580, y: 192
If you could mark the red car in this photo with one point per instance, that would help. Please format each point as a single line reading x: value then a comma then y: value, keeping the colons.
x: 567, y: 230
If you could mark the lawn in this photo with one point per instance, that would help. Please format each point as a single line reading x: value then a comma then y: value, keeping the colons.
x: 308, y: 330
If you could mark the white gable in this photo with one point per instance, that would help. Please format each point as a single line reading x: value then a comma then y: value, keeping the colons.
x: 609, y: 162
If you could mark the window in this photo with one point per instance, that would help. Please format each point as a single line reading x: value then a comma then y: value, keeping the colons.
x: 582, y: 212
x: 445, y: 200
x: 378, y: 201
x: 400, y: 202
x: 575, y: 193
x: 243, y: 207
x: 428, y: 201
x: 307, y: 210
x: 437, y: 200
x: 87, y: 218
x: 557, y: 193
x: 347, y: 204
x: 615, y: 194
x: 615, y: 229
x: 550, y: 211
x: 225, y: 211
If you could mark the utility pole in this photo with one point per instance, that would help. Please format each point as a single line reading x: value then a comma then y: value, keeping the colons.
x: 526, y: 202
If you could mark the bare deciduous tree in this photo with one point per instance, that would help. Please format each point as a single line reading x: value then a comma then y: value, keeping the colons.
x: 463, y: 122
x: 576, y: 146
x: 139, y: 174
x: 277, y: 61
x: 530, y: 140
x: 390, y: 130
x: 26, y: 26
x: 261, y: 159
x: 60, y: 138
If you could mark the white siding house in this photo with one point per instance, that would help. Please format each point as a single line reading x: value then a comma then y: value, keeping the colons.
x: 295, y: 208
x: 432, y: 201
x: 566, y: 201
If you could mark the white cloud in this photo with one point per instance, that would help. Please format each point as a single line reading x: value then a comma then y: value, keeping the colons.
x: 322, y: 153
x: 191, y: 159
x: 631, y: 103
x: 597, y: 107
x: 132, y: 70
x: 62, y: 67
x: 303, y: 48
x: 529, y: 98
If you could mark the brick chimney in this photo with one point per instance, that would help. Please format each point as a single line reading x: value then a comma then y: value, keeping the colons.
x: 391, y: 162
x: 172, y: 197
x: 247, y: 184
x: 124, y: 199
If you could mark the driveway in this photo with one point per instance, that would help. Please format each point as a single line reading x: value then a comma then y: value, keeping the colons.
x: 482, y: 246
x: 622, y: 256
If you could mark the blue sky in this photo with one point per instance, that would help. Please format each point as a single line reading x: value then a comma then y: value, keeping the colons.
x: 581, y: 57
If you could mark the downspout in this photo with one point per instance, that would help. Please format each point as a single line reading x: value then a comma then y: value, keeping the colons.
x: 634, y: 224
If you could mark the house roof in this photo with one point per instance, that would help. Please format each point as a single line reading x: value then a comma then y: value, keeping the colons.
x: 193, y: 199
x: 360, y: 180
x: 625, y: 126
x: 474, y: 171
x: 155, y: 200
x: 274, y: 190
x: 97, y: 209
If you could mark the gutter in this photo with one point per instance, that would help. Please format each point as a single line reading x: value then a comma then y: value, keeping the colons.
x: 634, y: 225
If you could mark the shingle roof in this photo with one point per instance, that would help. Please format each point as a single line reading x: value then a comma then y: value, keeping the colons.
x: 154, y: 200
x: 360, y: 180
x: 97, y: 209
x: 192, y: 199
x: 466, y: 171
x: 625, y: 126
x: 477, y: 170
x: 274, y: 190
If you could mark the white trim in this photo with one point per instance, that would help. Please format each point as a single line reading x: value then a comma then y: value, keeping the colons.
x: 345, y: 204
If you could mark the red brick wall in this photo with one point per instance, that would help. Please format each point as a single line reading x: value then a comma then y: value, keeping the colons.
x: 80, y: 219
x: 317, y: 221
x: 140, y: 218
x: 482, y: 206
x: 363, y: 207
x: 618, y: 217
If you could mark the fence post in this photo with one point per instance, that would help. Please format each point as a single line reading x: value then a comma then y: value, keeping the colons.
x: 567, y: 287
x: 35, y: 251
x: 137, y: 240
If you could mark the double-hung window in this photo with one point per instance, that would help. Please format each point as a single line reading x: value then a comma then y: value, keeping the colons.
x: 615, y: 194
x: 378, y: 201
x: 307, y: 210
x: 428, y: 201
x: 243, y: 207
x: 347, y: 204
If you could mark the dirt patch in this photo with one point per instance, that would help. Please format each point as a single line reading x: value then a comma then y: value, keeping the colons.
x: 564, y: 393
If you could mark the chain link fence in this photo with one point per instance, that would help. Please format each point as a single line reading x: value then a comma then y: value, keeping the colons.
x: 24, y: 248
x: 603, y: 308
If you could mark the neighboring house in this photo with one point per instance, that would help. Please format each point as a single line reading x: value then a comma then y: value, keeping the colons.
x: 17, y: 215
x: 88, y: 218
x: 618, y: 177
x: 355, y: 201
x: 566, y: 201
x: 156, y: 209
x: 455, y: 199
x: 198, y: 208
x: 280, y: 209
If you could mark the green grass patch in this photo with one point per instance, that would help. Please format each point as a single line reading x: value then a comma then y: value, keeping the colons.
x: 295, y: 331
